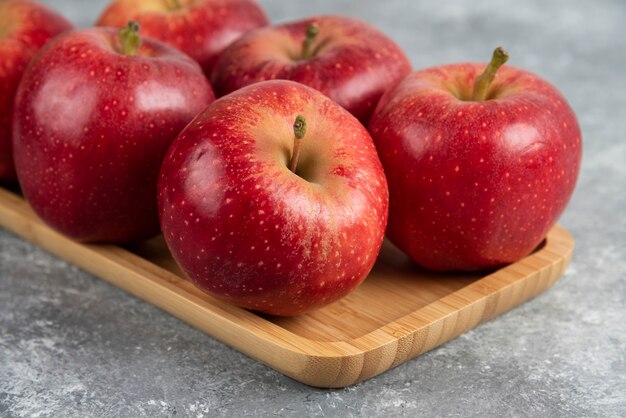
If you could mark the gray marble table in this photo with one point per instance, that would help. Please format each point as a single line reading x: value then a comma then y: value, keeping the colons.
x: 72, y: 345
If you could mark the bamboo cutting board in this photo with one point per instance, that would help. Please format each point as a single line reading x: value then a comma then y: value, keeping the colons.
x: 398, y: 313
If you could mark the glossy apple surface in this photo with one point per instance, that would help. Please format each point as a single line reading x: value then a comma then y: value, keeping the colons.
x: 25, y: 26
x: 200, y: 28
x: 91, y: 127
x: 248, y: 230
x: 475, y: 184
x: 348, y: 60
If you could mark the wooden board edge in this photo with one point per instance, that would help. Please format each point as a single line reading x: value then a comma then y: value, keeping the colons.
x: 236, y: 327
x: 445, y: 319
x: 316, y: 363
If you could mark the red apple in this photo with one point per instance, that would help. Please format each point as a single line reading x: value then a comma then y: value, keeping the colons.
x: 200, y: 28
x: 247, y: 229
x: 94, y: 115
x: 479, y: 169
x: 25, y: 26
x: 348, y: 60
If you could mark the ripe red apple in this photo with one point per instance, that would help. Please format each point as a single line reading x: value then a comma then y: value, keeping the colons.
x: 25, y: 26
x: 479, y: 169
x: 348, y: 60
x: 245, y: 227
x: 200, y: 28
x: 94, y: 115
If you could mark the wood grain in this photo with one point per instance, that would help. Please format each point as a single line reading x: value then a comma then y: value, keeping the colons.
x: 398, y: 313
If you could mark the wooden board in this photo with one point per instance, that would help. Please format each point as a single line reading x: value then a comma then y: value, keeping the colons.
x: 398, y: 313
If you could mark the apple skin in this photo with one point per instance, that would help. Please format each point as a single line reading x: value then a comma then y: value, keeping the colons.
x: 245, y: 228
x: 91, y: 128
x: 202, y: 28
x: 354, y: 65
x: 475, y: 184
x: 25, y: 26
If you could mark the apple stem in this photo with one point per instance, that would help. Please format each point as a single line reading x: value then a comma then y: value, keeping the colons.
x: 483, y: 81
x: 309, y: 37
x: 299, y: 130
x: 129, y: 38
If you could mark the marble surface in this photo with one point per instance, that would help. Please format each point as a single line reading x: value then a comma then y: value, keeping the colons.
x: 72, y: 345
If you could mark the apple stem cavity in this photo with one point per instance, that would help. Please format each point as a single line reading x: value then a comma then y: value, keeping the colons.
x: 483, y: 81
x: 129, y: 38
x: 311, y: 32
x: 299, y: 130
x: 174, y: 4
